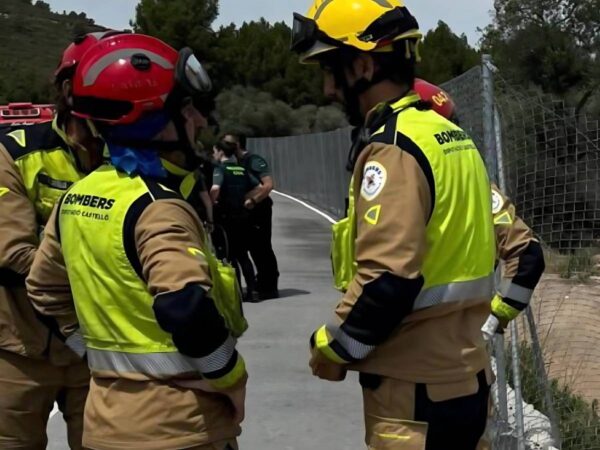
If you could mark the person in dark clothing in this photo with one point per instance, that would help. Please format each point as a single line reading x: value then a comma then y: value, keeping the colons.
x: 234, y: 193
x: 261, y: 218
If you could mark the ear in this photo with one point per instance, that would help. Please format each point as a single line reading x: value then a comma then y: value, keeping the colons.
x: 67, y: 91
x: 364, y: 66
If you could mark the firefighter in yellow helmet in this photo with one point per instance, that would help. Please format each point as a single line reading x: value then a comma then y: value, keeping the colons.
x: 415, y: 256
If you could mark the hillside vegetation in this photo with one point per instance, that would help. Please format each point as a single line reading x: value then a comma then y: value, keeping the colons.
x: 33, y: 38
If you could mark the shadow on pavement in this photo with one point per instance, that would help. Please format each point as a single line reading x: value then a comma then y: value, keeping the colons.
x: 283, y: 294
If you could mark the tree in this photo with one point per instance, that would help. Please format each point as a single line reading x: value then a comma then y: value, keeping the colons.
x: 445, y: 55
x: 180, y: 23
x: 553, y: 44
x: 42, y: 5
x: 255, y: 113
x: 257, y: 54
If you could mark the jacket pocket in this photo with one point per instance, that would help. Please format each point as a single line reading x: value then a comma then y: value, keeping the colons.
x: 396, y: 434
x: 342, y: 253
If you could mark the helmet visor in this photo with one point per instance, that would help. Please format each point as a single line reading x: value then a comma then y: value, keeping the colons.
x: 191, y: 74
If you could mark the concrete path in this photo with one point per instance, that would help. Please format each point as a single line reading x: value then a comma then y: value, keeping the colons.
x: 288, y: 409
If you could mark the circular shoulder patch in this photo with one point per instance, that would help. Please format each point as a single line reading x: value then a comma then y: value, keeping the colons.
x: 374, y: 178
x: 497, y: 202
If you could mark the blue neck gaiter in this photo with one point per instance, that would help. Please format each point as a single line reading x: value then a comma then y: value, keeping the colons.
x: 139, y: 160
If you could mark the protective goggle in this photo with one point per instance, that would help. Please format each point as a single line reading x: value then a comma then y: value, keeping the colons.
x: 191, y: 75
x: 306, y: 34
x: 394, y: 24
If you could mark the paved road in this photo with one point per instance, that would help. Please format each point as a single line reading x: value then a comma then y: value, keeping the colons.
x: 288, y: 409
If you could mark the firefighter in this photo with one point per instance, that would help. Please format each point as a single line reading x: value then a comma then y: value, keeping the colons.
x: 415, y: 256
x: 261, y: 220
x: 122, y: 268
x: 38, y: 163
x: 520, y: 257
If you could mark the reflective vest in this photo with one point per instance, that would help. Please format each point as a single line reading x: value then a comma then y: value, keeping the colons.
x: 112, y: 300
x: 451, y: 271
x: 45, y: 162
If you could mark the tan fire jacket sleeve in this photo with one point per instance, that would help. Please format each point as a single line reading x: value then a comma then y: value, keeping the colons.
x: 393, y: 204
x: 521, y: 259
x: 169, y: 239
x: 18, y: 225
x: 49, y: 289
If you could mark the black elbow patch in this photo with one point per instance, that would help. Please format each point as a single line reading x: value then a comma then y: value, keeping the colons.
x: 11, y: 279
x: 531, y: 266
x: 193, y: 320
x: 383, y: 305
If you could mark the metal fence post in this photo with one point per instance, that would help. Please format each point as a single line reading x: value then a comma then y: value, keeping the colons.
x: 493, y: 140
x: 501, y: 382
x: 516, y: 370
x: 489, y: 132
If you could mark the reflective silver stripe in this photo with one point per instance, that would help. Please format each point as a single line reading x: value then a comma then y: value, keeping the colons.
x: 92, y: 74
x: 356, y: 349
x: 455, y: 292
x: 512, y: 291
x: 217, y: 359
x: 76, y: 343
x: 160, y: 364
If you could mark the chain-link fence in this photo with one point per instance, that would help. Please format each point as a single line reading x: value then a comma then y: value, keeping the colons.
x: 547, y: 156
x: 310, y: 167
x: 548, y: 160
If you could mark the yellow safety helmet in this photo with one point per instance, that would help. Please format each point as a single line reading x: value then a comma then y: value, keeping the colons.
x: 366, y: 25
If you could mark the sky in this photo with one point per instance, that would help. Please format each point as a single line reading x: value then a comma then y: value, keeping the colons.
x: 463, y: 16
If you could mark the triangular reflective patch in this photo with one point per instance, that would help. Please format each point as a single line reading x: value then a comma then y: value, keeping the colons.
x: 372, y: 215
x: 4, y: 191
x: 503, y: 219
x: 18, y: 136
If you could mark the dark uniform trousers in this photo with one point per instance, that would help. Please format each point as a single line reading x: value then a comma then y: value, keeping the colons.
x: 261, y: 248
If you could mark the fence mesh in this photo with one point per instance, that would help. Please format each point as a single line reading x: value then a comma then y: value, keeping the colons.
x: 548, y: 160
x: 552, y: 167
x: 310, y: 167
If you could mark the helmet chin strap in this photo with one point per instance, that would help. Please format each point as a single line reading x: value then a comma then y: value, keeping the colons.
x: 352, y: 93
x: 183, y: 143
x: 362, y: 132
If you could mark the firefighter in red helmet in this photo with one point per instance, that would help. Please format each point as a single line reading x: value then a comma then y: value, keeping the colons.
x: 519, y: 254
x: 123, y: 268
x: 38, y: 163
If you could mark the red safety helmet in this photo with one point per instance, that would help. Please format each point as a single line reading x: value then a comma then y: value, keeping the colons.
x: 440, y: 100
x: 81, y: 44
x: 125, y: 76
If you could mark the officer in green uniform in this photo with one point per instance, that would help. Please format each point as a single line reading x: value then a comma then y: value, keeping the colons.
x: 261, y: 219
x: 234, y: 193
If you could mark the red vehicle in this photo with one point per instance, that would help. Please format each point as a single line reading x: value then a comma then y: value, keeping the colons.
x: 24, y: 114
